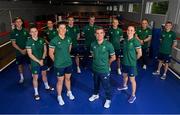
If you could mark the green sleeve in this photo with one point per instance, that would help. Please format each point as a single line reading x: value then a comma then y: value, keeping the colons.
x: 111, y: 49
x: 52, y: 44
x: 91, y: 47
x: 28, y: 44
x: 137, y: 44
x: 12, y: 36
x: 150, y: 32
x: 174, y: 36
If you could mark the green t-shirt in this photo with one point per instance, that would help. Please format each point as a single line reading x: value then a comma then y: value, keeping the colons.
x: 143, y: 34
x: 20, y: 37
x: 73, y: 32
x: 129, y: 51
x: 168, y: 38
x: 89, y: 32
x: 115, y: 35
x: 101, y: 53
x: 62, y: 57
x: 50, y: 34
x: 37, y: 48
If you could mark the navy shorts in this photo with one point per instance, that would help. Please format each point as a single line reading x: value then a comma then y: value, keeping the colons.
x: 23, y: 59
x: 38, y: 69
x: 166, y: 58
x: 130, y: 70
x: 75, y: 51
x: 118, y: 53
x: 62, y: 71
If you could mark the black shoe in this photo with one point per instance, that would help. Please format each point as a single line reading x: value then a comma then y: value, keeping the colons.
x: 36, y: 97
x: 50, y: 89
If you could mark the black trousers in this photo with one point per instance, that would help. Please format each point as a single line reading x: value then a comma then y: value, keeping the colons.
x: 103, y: 78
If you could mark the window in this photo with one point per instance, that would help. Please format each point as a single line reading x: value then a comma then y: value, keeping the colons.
x: 160, y: 7
x: 121, y: 8
x: 114, y: 8
x: 134, y: 7
x: 130, y: 8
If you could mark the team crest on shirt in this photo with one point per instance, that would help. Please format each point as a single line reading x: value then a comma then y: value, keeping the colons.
x: 163, y: 35
x: 68, y: 41
x: 111, y: 32
x: 54, y: 32
x: 94, y: 47
x: 104, y: 48
x: 146, y: 31
x: 59, y: 42
x: 117, y: 32
x: 74, y: 29
x: 47, y: 33
x: 170, y: 35
x: 33, y: 44
x: 40, y: 41
x: 139, y: 30
x: 17, y: 35
x: 25, y: 33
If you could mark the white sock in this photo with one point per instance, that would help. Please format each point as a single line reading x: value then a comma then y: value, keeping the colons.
x: 164, y: 74
x: 36, y: 91
x: 157, y: 71
x: 46, y: 85
x: 69, y: 92
x: 21, y: 75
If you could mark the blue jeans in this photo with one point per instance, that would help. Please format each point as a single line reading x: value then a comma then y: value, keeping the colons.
x: 103, y: 78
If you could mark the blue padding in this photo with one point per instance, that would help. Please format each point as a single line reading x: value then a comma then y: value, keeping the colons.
x: 155, y: 42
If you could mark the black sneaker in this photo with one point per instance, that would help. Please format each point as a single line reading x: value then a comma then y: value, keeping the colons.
x: 36, y: 97
x: 50, y: 89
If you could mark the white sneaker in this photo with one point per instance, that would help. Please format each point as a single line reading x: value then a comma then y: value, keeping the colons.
x: 119, y: 71
x: 21, y: 80
x: 70, y: 95
x: 78, y: 70
x: 60, y: 100
x: 93, y: 97
x: 144, y: 67
x: 107, y: 104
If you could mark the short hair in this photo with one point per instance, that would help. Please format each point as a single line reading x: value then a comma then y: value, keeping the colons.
x: 145, y: 19
x: 169, y: 22
x: 99, y: 28
x: 115, y: 19
x: 61, y: 23
x: 132, y: 26
x: 32, y: 26
x: 91, y: 17
x: 70, y: 17
x: 18, y: 17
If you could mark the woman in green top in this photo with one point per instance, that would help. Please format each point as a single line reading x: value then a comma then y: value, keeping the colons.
x: 131, y: 52
x: 59, y: 51
x: 36, y: 49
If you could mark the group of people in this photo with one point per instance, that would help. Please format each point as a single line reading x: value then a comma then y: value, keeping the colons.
x: 57, y: 45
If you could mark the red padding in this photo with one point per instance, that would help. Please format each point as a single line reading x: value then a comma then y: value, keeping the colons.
x: 4, y: 34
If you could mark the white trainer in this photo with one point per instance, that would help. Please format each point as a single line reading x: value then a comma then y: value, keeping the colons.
x: 144, y: 67
x: 70, y: 95
x: 21, y: 80
x: 93, y: 97
x: 60, y: 100
x: 107, y: 104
